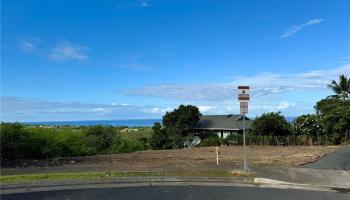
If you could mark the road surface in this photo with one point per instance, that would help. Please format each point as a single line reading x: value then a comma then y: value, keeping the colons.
x: 180, y: 192
x: 339, y: 160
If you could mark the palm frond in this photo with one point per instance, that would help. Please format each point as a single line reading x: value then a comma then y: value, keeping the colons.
x: 335, y: 87
x: 341, y: 88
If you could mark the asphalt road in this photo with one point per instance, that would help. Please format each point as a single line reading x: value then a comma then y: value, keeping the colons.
x: 180, y: 192
x: 336, y: 160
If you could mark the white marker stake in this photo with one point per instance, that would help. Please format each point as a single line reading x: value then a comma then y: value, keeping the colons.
x: 217, y: 156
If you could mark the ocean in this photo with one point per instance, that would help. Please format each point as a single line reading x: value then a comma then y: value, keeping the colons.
x: 127, y: 122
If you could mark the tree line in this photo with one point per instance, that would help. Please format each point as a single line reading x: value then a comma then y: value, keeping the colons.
x: 329, y: 125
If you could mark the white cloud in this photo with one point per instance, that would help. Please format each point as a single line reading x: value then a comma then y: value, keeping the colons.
x: 262, y: 85
x: 294, y: 29
x: 283, y: 105
x: 65, y: 51
x: 158, y: 110
x: 205, y: 108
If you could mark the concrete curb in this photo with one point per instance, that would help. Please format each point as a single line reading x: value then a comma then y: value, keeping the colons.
x: 124, y: 182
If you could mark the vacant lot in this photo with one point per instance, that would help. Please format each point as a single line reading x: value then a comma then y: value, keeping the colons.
x: 193, y: 159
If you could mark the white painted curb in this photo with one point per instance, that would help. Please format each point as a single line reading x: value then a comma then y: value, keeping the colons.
x: 271, y: 183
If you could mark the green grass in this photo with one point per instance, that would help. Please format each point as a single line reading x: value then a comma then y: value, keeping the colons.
x: 104, y: 175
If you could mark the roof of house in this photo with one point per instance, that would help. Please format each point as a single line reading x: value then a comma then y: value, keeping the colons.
x: 222, y: 122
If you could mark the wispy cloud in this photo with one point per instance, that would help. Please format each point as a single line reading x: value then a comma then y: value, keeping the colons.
x: 29, y: 45
x: 262, y: 85
x: 144, y: 3
x: 295, y: 28
x: 30, y: 109
x: 132, y: 61
x: 134, y: 66
x: 65, y: 51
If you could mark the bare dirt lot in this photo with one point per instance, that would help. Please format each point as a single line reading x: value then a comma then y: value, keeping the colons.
x: 192, y: 159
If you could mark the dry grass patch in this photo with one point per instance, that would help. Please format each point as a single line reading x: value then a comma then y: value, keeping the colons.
x: 193, y: 159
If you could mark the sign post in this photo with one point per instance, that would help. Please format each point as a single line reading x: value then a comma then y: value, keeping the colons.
x: 243, y: 98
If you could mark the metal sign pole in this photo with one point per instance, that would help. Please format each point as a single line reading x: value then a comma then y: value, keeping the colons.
x: 243, y: 98
x: 244, y: 147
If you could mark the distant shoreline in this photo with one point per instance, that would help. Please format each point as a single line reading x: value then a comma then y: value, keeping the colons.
x: 126, y: 122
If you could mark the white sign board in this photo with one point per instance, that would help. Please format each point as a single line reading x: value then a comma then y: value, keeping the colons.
x: 243, y: 108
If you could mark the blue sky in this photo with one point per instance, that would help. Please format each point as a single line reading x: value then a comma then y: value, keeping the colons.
x: 136, y: 59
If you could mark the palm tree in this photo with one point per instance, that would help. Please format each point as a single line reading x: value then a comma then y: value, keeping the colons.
x: 342, y: 88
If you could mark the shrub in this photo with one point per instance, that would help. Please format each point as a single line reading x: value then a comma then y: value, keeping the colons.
x: 165, y: 138
x: 272, y: 123
x: 211, y: 140
x: 100, y: 137
x: 11, y: 137
x: 132, y: 141
x: 126, y: 146
x: 30, y: 142
x: 158, y: 139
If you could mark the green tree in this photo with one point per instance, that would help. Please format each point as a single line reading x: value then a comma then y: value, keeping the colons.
x: 342, y: 88
x: 335, y: 117
x: 176, y: 125
x: 272, y: 123
x: 182, y: 120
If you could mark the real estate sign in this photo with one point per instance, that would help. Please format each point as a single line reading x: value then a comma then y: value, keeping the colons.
x: 243, y: 93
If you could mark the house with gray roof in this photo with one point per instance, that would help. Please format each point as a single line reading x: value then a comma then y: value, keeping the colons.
x: 223, y: 125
